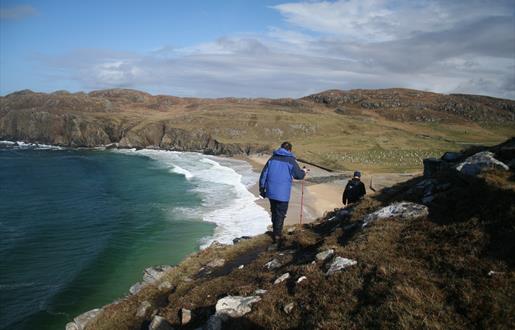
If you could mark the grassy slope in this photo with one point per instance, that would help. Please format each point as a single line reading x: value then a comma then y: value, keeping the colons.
x: 426, y: 273
x: 381, y: 140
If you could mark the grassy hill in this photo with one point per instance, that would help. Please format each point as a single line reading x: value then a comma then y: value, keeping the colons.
x: 374, y: 130
x: 450, y: 268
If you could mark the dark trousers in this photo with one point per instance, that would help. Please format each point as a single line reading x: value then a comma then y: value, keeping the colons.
x: 278, y: 210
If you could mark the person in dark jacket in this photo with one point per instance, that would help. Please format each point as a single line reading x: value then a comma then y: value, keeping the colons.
x: 275, y: 184
x: 354, y: 190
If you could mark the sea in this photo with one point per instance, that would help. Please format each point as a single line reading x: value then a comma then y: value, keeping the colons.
x: 79, y: 226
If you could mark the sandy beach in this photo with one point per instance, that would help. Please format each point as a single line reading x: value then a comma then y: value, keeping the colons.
x: 325, y: 196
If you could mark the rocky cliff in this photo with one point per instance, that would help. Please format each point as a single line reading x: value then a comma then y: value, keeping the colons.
x: 370, y: 129
x: 433, y: 252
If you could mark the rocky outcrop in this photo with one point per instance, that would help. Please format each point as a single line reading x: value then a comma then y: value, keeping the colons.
x: 82, y: 321
x: 402, y: 210
x: 479, y: 162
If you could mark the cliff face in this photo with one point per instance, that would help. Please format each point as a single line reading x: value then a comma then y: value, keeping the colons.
x: 383, y: 130
x: 74, y: 130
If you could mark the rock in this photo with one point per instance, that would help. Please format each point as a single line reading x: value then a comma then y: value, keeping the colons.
x: 81, y: 321
x: 451, y: 156
x: 159, y: 323
x: 273, y: 264
x: 152, y: 274
x: 136, y: 288
x: 479, y: 162
x: 165, y: 285
x: 288, y: 308
x: 241, y: 266
x: 260, y: 292
x: 339, y: 264
x: 291, y: 230
x: 431, y: 167
x: 143, y: 309
x: 235, y: 306
x: 402, y: 210
x: 217, y: 245
x: 216, y: 263
x: 185, y: 316
x: 239, y: 239
x: 324, y: 255
x: 282, y: 278
x: 302, y: 278
x: 214, y: 322
x: 71, y: 326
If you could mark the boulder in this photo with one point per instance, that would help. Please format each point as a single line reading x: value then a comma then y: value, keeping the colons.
x: 185, y: 316
x: 402, y: 210
x: 451, y: 156
x: 324, y: 255
x: 479, y: 162
x: 159, y: 323
x: 166, y: 285
x: 432, y: 166
x: 216, y: 263
x: 152, y: 274
x: 273, y: 264
x: 282, y: 278
x: 136, y: 288
x: 239, y: 239
x: 235, y: 306
x: 143, y: 309
x: 81, y: 321
x: 340, y: 264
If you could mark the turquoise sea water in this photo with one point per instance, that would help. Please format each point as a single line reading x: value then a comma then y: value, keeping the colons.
x: 79, y: 226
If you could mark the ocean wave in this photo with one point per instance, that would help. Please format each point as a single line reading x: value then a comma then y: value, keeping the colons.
x: 223, y: 185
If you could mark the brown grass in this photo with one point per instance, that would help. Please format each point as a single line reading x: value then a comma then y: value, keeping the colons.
x: 430, y: 273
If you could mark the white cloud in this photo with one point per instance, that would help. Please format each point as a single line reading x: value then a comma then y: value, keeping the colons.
x: 435, y: 45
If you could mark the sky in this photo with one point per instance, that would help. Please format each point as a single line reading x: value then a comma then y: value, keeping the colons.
x: 258, y: 48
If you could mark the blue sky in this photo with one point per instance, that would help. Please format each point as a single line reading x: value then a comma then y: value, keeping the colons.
x: 258, y: 48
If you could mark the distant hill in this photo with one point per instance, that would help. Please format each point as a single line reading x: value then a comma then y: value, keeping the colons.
x: 376, y: 130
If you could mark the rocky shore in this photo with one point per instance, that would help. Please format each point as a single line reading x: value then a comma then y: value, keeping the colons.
x: 392, y: 260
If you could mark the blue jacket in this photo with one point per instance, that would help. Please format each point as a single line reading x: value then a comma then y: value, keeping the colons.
x: 276, y: 176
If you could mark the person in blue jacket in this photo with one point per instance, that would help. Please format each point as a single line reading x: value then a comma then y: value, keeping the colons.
x: 275, y: 184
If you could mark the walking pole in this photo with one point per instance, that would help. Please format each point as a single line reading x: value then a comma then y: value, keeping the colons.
x: 301, y: 203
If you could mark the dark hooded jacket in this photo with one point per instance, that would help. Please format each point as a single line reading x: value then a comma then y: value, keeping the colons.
x: 277, y: 175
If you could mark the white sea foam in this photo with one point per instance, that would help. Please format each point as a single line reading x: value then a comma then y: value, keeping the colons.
x: 24, y: 145
x: 222, y: 183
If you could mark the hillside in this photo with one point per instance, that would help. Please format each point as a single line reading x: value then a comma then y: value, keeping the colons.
x: 447, y: 264
x: 374, y: 130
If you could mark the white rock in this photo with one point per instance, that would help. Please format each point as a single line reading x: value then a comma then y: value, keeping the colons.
x: 402, y: 210
x: 71, y: 326
x: 235, y: 306
x: 324, y: 255
x: 185, y: 316
x: 475, y: 164
x: 260, y: 291
x: 241, y: 266
x: 302, y: 278
x: 288, y: 308
x: 166, y: 285
x: 282, y: 278
x: 273, y: 264
x: 143, y: 309
x: 152, y: 274
x: 159, y: 323
x: 216, y: 263
x: 339, y: 264
x: 136, y: 288
x: 82, y: 320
